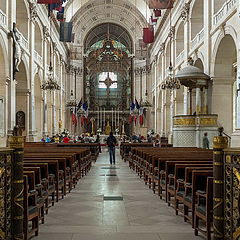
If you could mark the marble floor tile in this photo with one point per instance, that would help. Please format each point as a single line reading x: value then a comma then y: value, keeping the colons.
x: 84, y: 215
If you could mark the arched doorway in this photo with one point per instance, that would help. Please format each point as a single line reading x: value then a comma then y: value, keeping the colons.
x: 22, y: 99
x: 3, y: 100
x: 224, y: 82
x: 38, y: 107
x: 197, y: 18
x: 108, y: 85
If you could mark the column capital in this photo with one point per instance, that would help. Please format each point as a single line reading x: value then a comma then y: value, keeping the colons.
x: 185, y: 12
x: 33, y: 10
x: 46, y: 33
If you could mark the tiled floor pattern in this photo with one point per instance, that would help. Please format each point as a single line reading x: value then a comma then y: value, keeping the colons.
x: 84, y: 215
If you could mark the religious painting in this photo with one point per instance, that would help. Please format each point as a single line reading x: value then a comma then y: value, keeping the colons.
x: 20, y: 120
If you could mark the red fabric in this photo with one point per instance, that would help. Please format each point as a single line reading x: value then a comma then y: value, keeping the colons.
x: 48, y: 1
x: 74, y: 119
x: 66, y: 140
x: 148, y: 35
x: 157, y: 12
x: 135, y: 120
x: 161, y: 4
x: 130, y: 119
x: 141, y: 119
x: 82, y: 120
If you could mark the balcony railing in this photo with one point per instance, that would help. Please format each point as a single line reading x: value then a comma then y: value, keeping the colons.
x: 198, y: 39
x: 3, y: 18
x: 180, y: 57
x: 224, y: 11
x: 23, y: 41
x: 38, y: 58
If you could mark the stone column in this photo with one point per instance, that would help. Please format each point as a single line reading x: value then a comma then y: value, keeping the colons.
x: 45, y: 71
x: 32, y: 120
x: 219, y: 143
x: 198, y: 101
x: 54, y: 114
x: 205, y: 101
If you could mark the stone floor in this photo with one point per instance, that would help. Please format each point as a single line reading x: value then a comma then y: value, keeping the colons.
x: 84, y: 215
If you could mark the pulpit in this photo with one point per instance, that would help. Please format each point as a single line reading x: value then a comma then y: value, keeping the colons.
x: 188, y: 130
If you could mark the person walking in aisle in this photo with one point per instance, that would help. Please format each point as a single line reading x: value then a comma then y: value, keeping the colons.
x: 111, y: 142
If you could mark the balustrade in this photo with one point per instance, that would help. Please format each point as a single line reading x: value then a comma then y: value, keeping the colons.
x: 3, y: 18
x: 198, y: 39
x: 224, y: 11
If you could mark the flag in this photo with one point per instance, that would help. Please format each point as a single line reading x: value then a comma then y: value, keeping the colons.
x: 153, y: 20
x: 79, y: 105
x: 135, y: 119
x: 130, y: 119
x: 74, y: 118
x: 157, y: 12
x: 137, y: 104
x: 160, y: 4
x: 148, y: 35
x: 48, y: 1
x: 60, y: 14
x: 132, y: 106
x: 66, y: 31
x: 141, y: 115
x: 82, y: 120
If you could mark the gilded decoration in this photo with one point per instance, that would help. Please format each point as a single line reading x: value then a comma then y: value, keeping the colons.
x: 232, y: 197
x: 208, y: 121
x: 220, y: 142
x: 185, y: 121
x: 16, y: 142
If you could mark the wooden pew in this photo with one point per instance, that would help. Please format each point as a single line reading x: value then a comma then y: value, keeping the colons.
x: 198, y: 182
x: 41, y: 200
x: 204, y: 209
x: 31, y: 214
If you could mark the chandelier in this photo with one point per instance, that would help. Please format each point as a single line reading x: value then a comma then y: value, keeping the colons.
x: 72, y: 102
x: 171, y: 83
x: 50, y: 84
x: 146, y: 103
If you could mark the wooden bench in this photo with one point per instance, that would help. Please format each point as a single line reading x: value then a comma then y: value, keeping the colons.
x: 31, y: 213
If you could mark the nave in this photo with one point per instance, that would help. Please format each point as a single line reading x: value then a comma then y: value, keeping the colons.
x: 84, y: 215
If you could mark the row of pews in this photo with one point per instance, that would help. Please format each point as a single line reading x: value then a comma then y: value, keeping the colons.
x: 49, y: 173
x: 183, y: 177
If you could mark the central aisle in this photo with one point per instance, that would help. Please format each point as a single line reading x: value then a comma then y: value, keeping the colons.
x: 84, y: 215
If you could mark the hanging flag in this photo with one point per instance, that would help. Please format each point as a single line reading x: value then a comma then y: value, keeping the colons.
x: 160, y: 4
x: 60, y: 15
x: 48, y: 1
x: 79, y: 105
x: 157, y: 12
x: 153, y: 20
x: 135, y: 119
x: 74, y: 118
x: 148, y: 35
x: 66, y: 31
x: 137, y: 104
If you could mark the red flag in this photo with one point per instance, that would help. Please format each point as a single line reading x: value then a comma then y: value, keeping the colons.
x: 74, y: 119
x: 148, y: 35
x: 82, y: 120
x: 157, y: 12
x: 130, y: 119
x: 135, y: 120
x: 141, y: 119
x: 48, y: 1
x: 161, y: 4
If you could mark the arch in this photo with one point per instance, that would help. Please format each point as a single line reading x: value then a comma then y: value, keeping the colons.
x: 3, y: 6
x: 224, y: 82
x: 217, y: 5
x: 198, y: 63
x: 38, y: 39
x: 38, y: 106
x: 22, y: 93
x: 3, y: 96
x: 197, y: 17
x: 22, y: 17
x: 180, y: 39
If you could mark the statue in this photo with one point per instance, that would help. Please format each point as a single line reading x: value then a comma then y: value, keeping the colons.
x: 108, y: 128
x: 17, y: 48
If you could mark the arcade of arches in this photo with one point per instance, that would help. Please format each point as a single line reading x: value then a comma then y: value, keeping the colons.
x: 107, y: 68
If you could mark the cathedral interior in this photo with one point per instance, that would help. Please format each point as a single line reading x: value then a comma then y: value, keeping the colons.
x: 162, y: 77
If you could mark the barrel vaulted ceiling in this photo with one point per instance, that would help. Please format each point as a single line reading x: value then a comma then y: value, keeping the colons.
x: 86, y: 14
